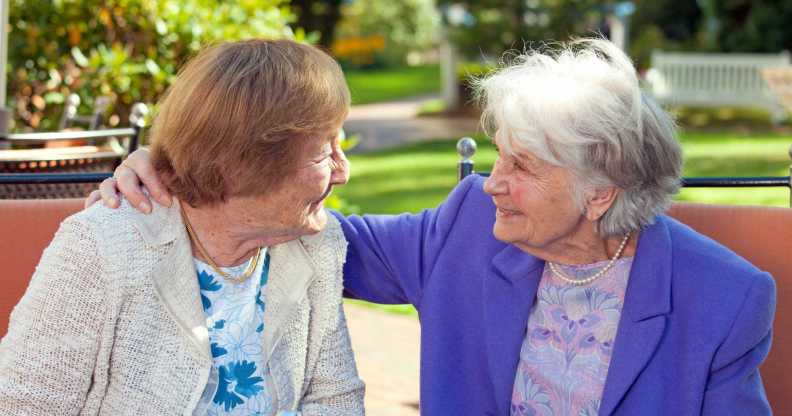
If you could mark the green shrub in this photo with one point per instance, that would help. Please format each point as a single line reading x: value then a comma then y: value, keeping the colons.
x: 466, y: 73
x: 129, y: 50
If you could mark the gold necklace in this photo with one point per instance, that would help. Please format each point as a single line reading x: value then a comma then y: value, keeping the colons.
x: 581, y: 282
x: 252, y: 263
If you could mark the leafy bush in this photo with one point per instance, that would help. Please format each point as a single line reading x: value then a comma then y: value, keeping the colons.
x: 129, y: 50
x: 357, y: 51
x: 385, y: 32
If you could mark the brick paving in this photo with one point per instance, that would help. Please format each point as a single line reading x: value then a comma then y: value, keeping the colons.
x: 387, y: 349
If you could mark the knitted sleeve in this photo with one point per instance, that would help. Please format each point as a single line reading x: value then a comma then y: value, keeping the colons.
x: 49, y: 353
x: 335, y: 389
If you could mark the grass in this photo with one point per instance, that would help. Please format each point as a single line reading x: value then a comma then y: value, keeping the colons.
x: 713, y: 154
x: 722, y: 117
x: 378, y: 85
x: 420, y: 175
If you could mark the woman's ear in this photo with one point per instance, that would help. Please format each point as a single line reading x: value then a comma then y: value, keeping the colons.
x: 599, y: 202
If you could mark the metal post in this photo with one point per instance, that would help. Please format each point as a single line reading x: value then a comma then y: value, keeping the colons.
x: 466, y: 148
x: 4, y: 113
x: 137, y: 118
x: 69, y: 111
x: 790, y: 178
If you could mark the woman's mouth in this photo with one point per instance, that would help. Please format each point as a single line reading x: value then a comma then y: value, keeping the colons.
x: 318, y: 203
x: 504, y: 213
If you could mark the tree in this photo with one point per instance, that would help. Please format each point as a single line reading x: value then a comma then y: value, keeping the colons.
x: 751, y: 25
x: 679, y: 21
x: 320, y: 16
x: 664, y: 24
x: 494, y: 26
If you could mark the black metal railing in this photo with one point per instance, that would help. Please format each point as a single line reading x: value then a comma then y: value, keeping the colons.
x: 137, y: 120
x: 61, y: 172
x: 466, y: 148
x: 52, y: 178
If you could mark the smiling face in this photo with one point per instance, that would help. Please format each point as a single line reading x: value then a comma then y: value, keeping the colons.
x: 296, y: 208
x: 535, y: 208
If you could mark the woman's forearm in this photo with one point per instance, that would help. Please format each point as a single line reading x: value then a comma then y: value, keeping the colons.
x: 48, y: 356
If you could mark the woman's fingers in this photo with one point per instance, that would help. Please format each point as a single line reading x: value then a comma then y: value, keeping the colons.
x: 93, y: 197
x: 108, y: 193
x: 128, y: 183
x: 131, y: 178
x: 139, y: 168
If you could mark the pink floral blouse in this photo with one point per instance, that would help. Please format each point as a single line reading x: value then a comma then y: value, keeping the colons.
x: 567, y: 348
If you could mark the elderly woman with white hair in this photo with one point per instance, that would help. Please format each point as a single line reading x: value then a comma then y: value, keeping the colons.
x: 557, y: 286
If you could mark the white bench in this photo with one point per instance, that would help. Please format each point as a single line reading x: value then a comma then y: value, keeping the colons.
x: 715, y: 80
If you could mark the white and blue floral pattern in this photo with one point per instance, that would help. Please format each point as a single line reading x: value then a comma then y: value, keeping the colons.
x: 235, y: 319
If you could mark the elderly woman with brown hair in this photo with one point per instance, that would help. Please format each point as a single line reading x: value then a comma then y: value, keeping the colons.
x: 227, y: 302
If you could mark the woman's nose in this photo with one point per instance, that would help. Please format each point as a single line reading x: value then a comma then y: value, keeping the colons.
x: 340, y: 170
x: 495, y: 184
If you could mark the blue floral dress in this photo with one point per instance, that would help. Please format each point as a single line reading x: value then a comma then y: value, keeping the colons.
x: 235, y: 319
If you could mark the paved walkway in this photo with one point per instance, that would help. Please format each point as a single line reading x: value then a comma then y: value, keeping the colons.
x: 387, y: 349
x: 390, y: 124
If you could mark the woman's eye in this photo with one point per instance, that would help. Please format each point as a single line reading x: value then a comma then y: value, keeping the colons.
x: 322, y: 159
x: 520, y: 167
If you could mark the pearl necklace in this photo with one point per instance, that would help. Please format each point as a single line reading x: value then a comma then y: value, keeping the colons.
x: 580, y: 282
x: 252, y: 263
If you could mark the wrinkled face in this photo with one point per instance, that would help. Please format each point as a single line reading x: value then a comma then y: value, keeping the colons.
x: 297, y: 207
x: 535, y: 209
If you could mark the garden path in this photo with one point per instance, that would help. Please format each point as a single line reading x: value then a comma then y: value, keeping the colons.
x: 390, y: 124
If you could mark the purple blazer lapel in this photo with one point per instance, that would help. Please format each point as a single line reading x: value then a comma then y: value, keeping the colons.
x: 646, y: 302
x: 509, y: 292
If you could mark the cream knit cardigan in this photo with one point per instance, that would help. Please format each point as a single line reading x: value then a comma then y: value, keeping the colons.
x: 112, y: 323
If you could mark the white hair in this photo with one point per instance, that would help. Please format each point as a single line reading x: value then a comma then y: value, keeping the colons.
x: 579, y: 106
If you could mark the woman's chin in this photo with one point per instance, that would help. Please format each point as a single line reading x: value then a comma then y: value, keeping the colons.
x: 505, y: 232
x: 317, y: 221
x: 500, y: 233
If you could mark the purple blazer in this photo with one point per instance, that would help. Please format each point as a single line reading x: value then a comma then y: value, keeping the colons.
x: 695, y: 326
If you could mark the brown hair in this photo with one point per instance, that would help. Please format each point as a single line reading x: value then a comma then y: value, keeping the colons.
x: 239, y: 116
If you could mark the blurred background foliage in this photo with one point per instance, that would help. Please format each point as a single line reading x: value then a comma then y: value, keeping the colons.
x: 129, y: 50
x: 483, y: 29
x: 487, y: 28
x: 749, y: 25
x: 385, y: 33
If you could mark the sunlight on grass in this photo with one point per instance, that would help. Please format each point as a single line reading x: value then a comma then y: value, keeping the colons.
x: 378, y: 85
x: 420, y: 176
x: 711, y: 154
x: 408, y: 310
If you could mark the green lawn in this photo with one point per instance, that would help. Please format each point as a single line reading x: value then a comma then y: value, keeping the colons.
x: 713, y: 154
x: 377, y: 85
x: 420, y: 176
